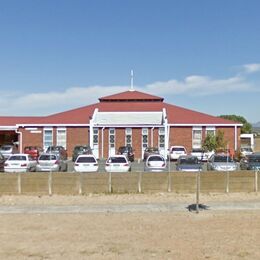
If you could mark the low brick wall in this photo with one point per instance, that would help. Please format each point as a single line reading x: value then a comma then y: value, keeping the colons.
x: 84, y: 183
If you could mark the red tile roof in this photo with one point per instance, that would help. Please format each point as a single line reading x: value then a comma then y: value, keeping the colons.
x: 82, y: 115
x: 130, y: 96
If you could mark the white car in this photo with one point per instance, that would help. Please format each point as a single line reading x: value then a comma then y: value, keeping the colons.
x: 86, y: 163
x: 246, y: 151
x: 117, y: 163
x: 155, y: 163
x: 20, y: 163
x: 176, y: 151
x: 201, y: 154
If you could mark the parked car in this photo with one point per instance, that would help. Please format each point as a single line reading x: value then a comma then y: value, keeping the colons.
x: 118, y: 163
x: 2, y: 162
x: 201, y: 154
x: 155, y: 163
x: 51, y: 162
x: 150, y: 150
x: 188, y: 163
x: 246, y: 151
x: 58, y: 149
x: 20, y: 163
x: 176, y: 151
x: 250, y: 162
x: 128, y: 152
x: 221, y: 162
x: 80, y: 149
x: 34, y: 151
x: 8, y: 149
x: 86, y: 163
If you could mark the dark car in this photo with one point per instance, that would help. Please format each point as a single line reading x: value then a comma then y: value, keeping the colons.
x: 250, y: 162
x: 188, y: 163
x: 2, y: 162
x: 128, y: 152
x: 150, y: 150
x: 58, y: 149
x: 80, y: 149
x: 34, y: 151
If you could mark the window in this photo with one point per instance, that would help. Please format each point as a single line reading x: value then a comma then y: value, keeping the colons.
x: 144, y: 138
x: 210, y: 131
x: 62, y: 137
x: 196, y: 137
x: 161, y: 137
x: 47, y: 138
x: 128, y: 136
x: 95, y: 136
x: 111, y: 137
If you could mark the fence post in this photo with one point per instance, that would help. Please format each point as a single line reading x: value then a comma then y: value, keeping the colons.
x: 197, y: 191
x: 256, y: 181
x: 227, y: 182
x: 169, y: 182
x: 80, y: 183
x: 50, y: 183
x: 109, y: 182
x: 19, y: 183
x: 140, y: 182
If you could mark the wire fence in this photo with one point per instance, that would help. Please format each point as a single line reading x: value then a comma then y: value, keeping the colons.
x: 132, y: 182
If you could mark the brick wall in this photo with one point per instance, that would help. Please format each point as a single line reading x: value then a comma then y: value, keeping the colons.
x: 80, y: 136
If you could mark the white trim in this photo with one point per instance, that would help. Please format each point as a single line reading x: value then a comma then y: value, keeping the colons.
x: 205, y: 124
x: 7, y: 128
x: 50, y: 125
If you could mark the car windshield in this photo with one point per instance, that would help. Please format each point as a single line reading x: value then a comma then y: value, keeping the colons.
x: 254, y: 158
x: 152, y: 149
x: 178, y: 149
x: 17, y: 158
x: 6, y: 148
x: 246, y: 149
x: 123, y: 149
x: 155, y: 158
x: 117, y: 160
x: 86, y: 160
x: 222, y: 159
x: 81, y: 148
x: 197, y: 151
x: 47, y: 157
x: 191, y: 160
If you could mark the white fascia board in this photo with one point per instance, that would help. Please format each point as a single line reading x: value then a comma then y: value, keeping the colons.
x: 125, y: 126
x: 8, y: 127
x: 205, y: 125
x: 49, y: 125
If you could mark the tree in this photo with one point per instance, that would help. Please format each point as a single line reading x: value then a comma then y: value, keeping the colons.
x: 246, y: 128
x: 215, y: 142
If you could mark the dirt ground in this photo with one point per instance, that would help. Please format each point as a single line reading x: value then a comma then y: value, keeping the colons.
x: 211, y: 234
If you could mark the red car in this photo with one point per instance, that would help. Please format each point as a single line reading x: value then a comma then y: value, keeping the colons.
x: 34, y: 151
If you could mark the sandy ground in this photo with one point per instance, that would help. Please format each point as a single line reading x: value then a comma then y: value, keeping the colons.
x: 211, y: 234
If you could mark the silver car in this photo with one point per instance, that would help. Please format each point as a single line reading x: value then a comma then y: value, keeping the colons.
x: 51, y: 162
x: 221, y: 162
x: 8, y: 149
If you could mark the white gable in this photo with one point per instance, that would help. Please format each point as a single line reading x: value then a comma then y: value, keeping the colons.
x: 128, y: 118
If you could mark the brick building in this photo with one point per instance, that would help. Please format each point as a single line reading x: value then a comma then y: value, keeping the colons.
x: 131, y: 117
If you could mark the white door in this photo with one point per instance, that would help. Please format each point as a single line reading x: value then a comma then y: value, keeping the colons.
x: 95, y: 150
x: 112, y: 137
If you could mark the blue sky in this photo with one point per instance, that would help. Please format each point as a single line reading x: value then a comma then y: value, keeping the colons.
x: 57, y: 55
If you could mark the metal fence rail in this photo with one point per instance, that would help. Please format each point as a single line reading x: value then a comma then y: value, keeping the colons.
x: 133, y: 182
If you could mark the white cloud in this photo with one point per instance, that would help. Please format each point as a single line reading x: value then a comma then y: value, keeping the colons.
x: 39, y: 104
x: 200, y: 86
x: 251, y: 68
